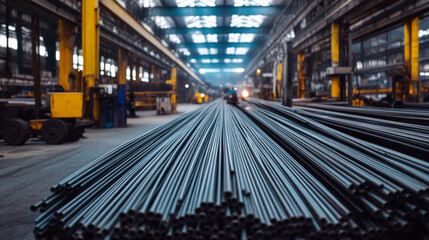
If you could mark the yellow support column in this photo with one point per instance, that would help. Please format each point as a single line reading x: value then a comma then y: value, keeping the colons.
x: 66, y: 30
x: 400, y: 88
x: 173, y: 82
x: 414, y: 56
x: 279, y: 79
x: 90, y: 52
x: 335, y: 58
x: 301, y: 76
x: 411, y: 53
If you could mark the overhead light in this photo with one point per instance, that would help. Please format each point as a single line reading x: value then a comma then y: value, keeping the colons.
x: 245, y: 93
x: 186, y: 85
x: 258, y: 72
x: 202, y: 71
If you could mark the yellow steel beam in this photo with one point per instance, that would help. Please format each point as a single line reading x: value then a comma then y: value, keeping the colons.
x: 407, y: 45
x: 411, y: 52
x: 301, y: 76
x: 335, y: 44
x: 173, y: 82
x: 279, y: 79
x: 66, y: 30
x: 90, y: 51
x: 414, y: 55
x: 173, y: 79
x: 122, y: 14
x: 335, y: 58
x: 122, y: 65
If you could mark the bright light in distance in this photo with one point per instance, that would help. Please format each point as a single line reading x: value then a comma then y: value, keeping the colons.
x: 258, y: 71
x: 202, y: 71
x: 186, y: 85
x: 202, y: 95
x: 245, y: 93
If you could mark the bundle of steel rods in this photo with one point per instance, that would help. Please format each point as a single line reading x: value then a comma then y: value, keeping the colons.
x: 408, y: 138
x: 413, y: 116
x: 252, y: 172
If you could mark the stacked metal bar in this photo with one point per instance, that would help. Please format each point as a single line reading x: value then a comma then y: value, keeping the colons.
x: 254, y: 172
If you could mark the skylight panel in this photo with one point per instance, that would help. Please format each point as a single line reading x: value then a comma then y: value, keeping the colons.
x: 236, y: 51
x: 230, y: 50
x: 163, y: 22
x: 241, y: 51
x: 212, y: 38
x: 185, y: 51
x: 247, y: 21
x: 237, y: 37
x: 241, y: 3
x: 196, y: 3
x: 203, y: 51
x: 234, y: 60
x: 201, y: 21
x: 148, y: 3
x: 198, y: 37
x: 174, y: 38
x: 210, y: 60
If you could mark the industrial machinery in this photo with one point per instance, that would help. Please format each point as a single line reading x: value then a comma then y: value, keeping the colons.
x: 58, y: 121
x: 199, y: 98
x: 163, y: 105
x: 231, y: 97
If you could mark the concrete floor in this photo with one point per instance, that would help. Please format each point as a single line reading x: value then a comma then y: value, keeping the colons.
x: 27, y: 172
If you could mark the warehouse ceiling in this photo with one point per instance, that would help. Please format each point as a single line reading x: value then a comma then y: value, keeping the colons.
x: 215, y: 37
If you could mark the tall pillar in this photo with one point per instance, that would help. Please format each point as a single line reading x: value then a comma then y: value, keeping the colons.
x: 414, y: 56
x: 90, y: 52
x: 137, y: 66
x: 274, y: 80
x: 155, y: 73
x: 173, y: 82
x: 335, y: 58
x: 279, y: 79
x: 411, y: 55
x: 287, y: 75
x: 122, y: 66
x: 65, y: 30
x: 350, y: 63
x: 35, y: 47
x: 122, y: 92
x: 301, y: 76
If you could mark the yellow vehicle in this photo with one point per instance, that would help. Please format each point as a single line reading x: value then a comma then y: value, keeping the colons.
x: 198, y: 98
x: 201, y: 98
x: 62, y: 122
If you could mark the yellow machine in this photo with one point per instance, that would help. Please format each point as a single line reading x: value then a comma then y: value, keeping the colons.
x: 62, y: 117
x: 199, y: 98
x: 61, y: 123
